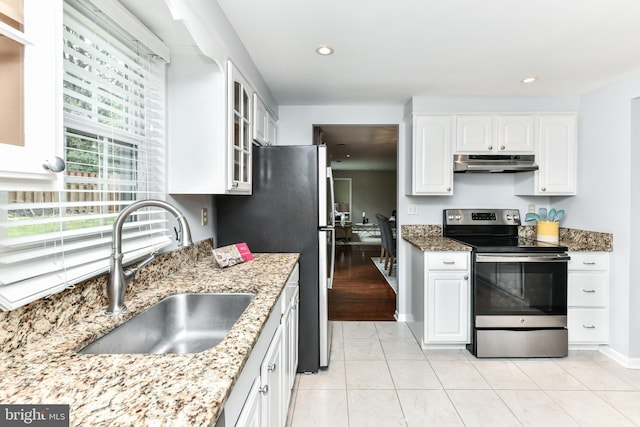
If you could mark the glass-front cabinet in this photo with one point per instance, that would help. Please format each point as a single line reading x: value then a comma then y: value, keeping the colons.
x: 240, y: 132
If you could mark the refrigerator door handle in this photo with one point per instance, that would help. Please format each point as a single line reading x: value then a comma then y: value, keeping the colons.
x: 332, y: 215
x: 332, y: 265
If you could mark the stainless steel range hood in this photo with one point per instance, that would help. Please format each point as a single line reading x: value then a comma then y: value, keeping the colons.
x: 494, y: 163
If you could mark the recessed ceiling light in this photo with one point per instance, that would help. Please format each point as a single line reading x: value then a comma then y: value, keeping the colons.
x: 528, y: 80
x: 324, y: 50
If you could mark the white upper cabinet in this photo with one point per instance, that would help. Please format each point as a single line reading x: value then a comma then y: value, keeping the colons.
x: 474, y: 134
x: 494, y: 134
x: 264, y: 122
x: 31, y: 109
x: 556, y: 155
x: 240, y: 132
x: 515, y: 133
x: 432, y: 168
x: 210, y: 129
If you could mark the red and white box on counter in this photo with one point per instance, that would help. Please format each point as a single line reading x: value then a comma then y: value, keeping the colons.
x: 227, y: 256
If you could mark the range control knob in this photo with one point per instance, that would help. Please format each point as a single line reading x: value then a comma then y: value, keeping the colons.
x: 458, y: 217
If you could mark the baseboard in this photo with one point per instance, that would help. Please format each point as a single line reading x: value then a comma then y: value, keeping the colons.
x: 627, y: 362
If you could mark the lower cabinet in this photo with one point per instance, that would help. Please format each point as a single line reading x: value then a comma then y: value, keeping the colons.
x: 269, y: 374
x: 588, y: 298
x: 440, y: 298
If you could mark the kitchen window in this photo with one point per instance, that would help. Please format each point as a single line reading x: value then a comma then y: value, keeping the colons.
x: 113, y: 105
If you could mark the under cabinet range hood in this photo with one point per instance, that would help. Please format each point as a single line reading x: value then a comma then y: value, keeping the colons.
x: 494, y: 163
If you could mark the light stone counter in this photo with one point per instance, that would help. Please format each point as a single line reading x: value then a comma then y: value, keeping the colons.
x: 42, y: 365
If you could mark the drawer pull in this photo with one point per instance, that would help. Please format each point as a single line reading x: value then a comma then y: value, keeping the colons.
x: 448, y: 262
x: 589, y: 262
x: 271, y: 367
x: 264, y: 389
x: 588, y: 326
x: 589, y: 291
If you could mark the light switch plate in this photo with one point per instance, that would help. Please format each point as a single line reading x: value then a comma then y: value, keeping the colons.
x: 413, y: 209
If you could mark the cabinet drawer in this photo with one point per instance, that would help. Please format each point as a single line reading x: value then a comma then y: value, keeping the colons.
x: 587, y: 290
x: 588, y: 261
x: 588, y: 325
x: 448, y: 261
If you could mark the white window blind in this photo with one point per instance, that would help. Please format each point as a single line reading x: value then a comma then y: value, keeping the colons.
x: 114, y: 126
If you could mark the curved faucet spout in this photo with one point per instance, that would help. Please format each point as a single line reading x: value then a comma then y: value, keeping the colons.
x: 118, y: 277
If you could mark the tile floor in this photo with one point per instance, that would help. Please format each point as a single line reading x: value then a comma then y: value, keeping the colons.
x: 379, y: 376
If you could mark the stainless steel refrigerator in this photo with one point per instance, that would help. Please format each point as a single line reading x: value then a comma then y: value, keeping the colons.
x: 291, y: 209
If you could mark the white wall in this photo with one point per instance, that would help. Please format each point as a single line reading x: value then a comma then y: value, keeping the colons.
x: 609, y: 187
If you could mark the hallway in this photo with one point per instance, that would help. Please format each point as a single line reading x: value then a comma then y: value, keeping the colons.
x: 360, y: 292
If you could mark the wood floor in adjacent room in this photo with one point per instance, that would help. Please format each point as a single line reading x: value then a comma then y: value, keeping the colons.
x: 360, y: 292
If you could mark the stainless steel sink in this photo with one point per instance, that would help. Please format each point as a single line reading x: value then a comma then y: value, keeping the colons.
x: 182, y: 323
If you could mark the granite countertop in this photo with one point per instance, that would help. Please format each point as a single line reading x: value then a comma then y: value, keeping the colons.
x: 139, y: 389
x: 429, y: 238
x: 436, y: 243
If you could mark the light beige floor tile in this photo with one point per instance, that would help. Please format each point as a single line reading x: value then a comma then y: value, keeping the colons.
x: 363, y: 349
x: 588, y: 409
x: 595, y: 377
x: 321, y: 408
x: 337, y: 342
x: 632, y: 376
x: 504, y: 375
x: 368, y: 375
x: 447, y: 355
x: 459, y: 375
x: 393, y: 330
x: 374, y: 408
x: 482, y: 408
x: 413, y: 375
x: 402, y: 349
x: 535, y: 408
x: 331, y: 378
x: 627, y: 402
x: 359, y: 330
x: 428, y: 408
x: 548, y: 375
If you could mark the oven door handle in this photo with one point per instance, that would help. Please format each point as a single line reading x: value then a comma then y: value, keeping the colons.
x: 523, y: 258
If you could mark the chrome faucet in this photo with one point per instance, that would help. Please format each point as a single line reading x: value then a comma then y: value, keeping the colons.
x: 119, y: 278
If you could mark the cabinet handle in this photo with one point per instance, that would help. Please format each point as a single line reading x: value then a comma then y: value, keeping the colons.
x: 235, y: 184
x: 589, y: 291
x: 466, y: 277
x: 503, y: 147
x: 271, y: 367
x: 490, y: 147
x: 448, y: 188
x: 264, y: 389
x: 589, y: 262
x: 448, y: 262
x: 543, y: 189
x: 588, y: 326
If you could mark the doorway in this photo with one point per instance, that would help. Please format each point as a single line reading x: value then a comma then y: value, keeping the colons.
x: 364, y: 163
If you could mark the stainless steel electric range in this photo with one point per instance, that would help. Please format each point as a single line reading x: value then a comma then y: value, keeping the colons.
x: 518, y: 287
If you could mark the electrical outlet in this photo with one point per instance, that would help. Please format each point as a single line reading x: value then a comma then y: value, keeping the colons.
x: 413, y: 209
x: 532, y: 208
x: 204, y: 216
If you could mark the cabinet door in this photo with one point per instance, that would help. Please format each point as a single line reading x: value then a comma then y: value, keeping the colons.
x: 272, y: 131
x: 250, y: 415
x: 515, y: 134
x: 240, y: 130
x: 447, y: 307
x: 474, y: 134
x: 272, y: 373
x: 260, y: 120
x: 432, y: 158
x: 557, y: 154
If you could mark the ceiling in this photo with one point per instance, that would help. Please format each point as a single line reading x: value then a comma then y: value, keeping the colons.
x: 361, y: 147
x: 387, y: 51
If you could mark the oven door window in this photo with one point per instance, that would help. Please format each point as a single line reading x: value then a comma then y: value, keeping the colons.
x: 520, y: 288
